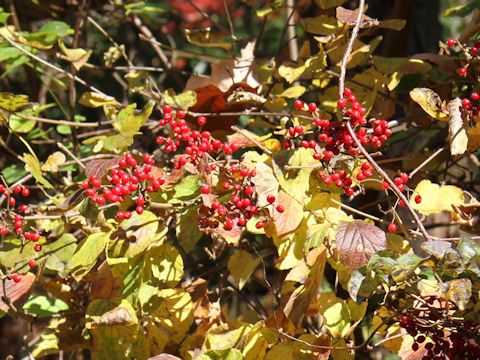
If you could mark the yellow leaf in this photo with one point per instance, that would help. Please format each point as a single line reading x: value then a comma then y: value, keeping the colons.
x: 436, y: 198
x: 184, y: 100
x: 91, y: 99
x: 54, y: 161
x: 457, y: 128
x: 241, y: 265
x: 293, y: 92
x: 322, y: 25
x: 78, y: 57
x: 203, y: 37
x: 430, y: 102
x: 108, y: 313
x: 474, y: 137
x: 32, y: 165
x: 290, y: 248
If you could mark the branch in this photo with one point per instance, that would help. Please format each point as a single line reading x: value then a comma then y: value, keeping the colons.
x: 244, y: 134
x: 56, y: 68
x: 378, y: 169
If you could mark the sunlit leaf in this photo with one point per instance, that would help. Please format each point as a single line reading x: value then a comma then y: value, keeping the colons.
x: 357, y: 241
x: 41, y: 305
x: 93, y: 99
x: 110, y: 313
x: 204, y: 38
x: 241, y: 265
x: 184, y: 100
x: 17, y: 293
x: 269, y: 8
x: 337, y: 319
x: 87, y: 253
x: 54, y: 161
x: 32, y: 165
x: 436, y: 198
x: 430, y: 102
x: 405, y: 266
x: 458, y: 291
x: 11, y: 102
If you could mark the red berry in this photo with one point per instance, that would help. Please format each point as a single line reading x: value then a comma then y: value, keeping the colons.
x: 349, y: 191
x: 280, y: 208
x: 271, y: 199
x: 249, y: 190
x: 139, y: 210
x: 37, y: 247
x: 466, y: 102
x: 475, y: 96
x: 4, y: 231
x: 462, y: 71
x: 418, y: 199
x: 298, y: 104
x: 140, y: 201
x: 342, y: 103
x: 202, y: 120
x: 312, y: 107
x: 32, y: 263
x: 128, y: 215
x: 12, y: 201
x: 17, y: 189
x: 17, y: 278
x: 205, y: 189
x: 392, y: 227
x: 120, y: 215
x: 366, y: 166
x: 385, y: 185
x: 450, y: 42
x: 35, y: 237
x: 401, y: 203
x: 404, y: 178
x: 259, y: 224
x: 398, y: 180
x: 242, y: 221
x: 347, y: 92
x: 299, y: 129
x: 226, y: 185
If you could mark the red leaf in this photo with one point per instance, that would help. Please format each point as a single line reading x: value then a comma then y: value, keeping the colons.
x: 17, y: 293
x: 357, y: 241
x: 101, y: 167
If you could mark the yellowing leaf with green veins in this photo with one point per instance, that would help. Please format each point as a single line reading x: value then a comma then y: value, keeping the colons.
x: 54, y: 161
x: 119, y: 342
x: 241, y: 265
x: 184, y: 100
x: 175, y: 313
x: 46, y: 345
x: 436, y: 198
x: 430, y: 103
x: 12, y: 102
x: 32, y: 165
x: 93, y: 99
x: 337, y: 319
x: 87, y: 254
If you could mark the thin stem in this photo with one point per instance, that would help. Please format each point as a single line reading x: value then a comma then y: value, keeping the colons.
x: 247, y: 136
x: 430, y: 158
x: 61, y: 122
x: 56, y: 68
x: 64, y: 148
x: 358, y: 212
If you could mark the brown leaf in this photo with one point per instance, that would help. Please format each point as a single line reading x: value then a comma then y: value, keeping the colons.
x: 289, y: 220
x: 100, y: 167
x: 357, y: 241
x: 17, y: 293
x: 72, y: 200
x: 350, y: 16
x: 104, y: 285
x: 198, y: 292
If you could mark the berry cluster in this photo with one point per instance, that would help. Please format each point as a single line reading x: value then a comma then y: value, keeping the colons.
x: 196, y: 142
x: 331, y: 138
x: 240, y: 207
x: 130, y: 179
x: 17, y: 221
x: 471, y: 51
x: 441, y: 340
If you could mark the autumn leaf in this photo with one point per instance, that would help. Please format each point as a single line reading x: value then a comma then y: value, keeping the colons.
x: 357, y: 241
x: 436, y: 198
x: 430, y: 103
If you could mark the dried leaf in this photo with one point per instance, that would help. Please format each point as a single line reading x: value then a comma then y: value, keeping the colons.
x: 436, y: 248
x: 430, y: 102
x: 457, y: 128
x: 458, y: 291
x: 265, y: 183
x: 54, y: 161
x: 17, y: 293
x: 357, y: 241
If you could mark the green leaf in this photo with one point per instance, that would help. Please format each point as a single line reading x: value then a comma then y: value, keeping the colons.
x: 187, y: 187
x: 20, y: 125
x: 60, y: 253
x: 87, y: 253
x: 11, y: 102
x: 405, y: 266
x: 32, y: 165
x: 467, y: 248
x: 187, y: 232
x: 337, y: 319
x: 184, y: 100
x: 135, y: 235
x: 228, y: 354
x: 41, y: 305
x: 463, y: 9
x: 13, y: 173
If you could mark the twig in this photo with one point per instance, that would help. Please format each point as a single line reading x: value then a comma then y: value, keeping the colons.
x: 244, y: 134
x: 383, y: 174
x: 359, y: 212
x: 430, y: 158
x: 230, y: 25
x: 118, y: 47
x: 61, y: 122
x: 206, y: 16
x: 56, y: 68
x: 148, y: 34
x: 292, y: 44
x: 77, y: 160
